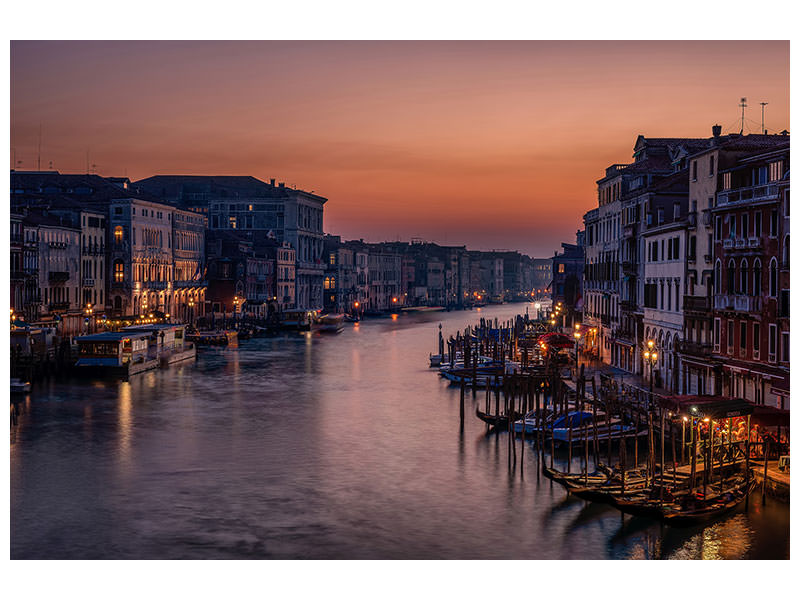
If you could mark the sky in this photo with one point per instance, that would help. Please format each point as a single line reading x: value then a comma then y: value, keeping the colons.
x: 495, y: 145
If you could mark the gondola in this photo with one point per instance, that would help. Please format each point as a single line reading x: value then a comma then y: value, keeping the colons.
x: 702, y: 511
x: 500, y: 421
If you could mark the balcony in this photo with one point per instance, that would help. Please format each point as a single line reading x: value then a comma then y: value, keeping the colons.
x: 740, y: 243
x: 754, y: 242
x: 707, y: 258
x: 154, y: 285
x: 630, y: 230
x: 57, y: 245
x: 17, y: 275
x: 58, y: 306
x: 88, y: 282
x: 698, y: 304
x: 692, y: 219
x: 698, y: 349
x: 727, y: 244
x: 737, y: 302
x: 94, y: 250
x: 756, y: 193
x: 57, y: 276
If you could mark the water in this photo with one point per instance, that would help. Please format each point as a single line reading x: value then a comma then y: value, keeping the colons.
x: 313, y: 446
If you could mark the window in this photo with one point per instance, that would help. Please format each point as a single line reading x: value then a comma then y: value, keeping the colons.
x: 785, y: 346
x: 718, y: 228
x: 118, y: 234
x: 731, y: 277
x: 730, y: 337
x: 718, y: 276
x: 773, y: 277
x: 232, y: 222
x: 710, y: 166
x: 726, y: 181
x: 660, y: 213
x: 783, y: 308
x: 757, y: 223
x: 757, y: 278
x: 332, y: 258
x: 773, y: 223
x: 692, y: 247
x: 561, y: 267
x: 694, y: 170
x: 756, y: 339
x: 773, y: 342
x: 742, y: 338
x: 743, y: 277
x: 119, y: 271
x: 775, y: 170
x: 745, y: 224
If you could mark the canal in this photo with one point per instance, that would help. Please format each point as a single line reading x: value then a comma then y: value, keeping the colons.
x: 319, y: 447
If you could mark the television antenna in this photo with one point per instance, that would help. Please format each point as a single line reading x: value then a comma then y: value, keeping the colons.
x: 763, y: 104
x: 743, y: 104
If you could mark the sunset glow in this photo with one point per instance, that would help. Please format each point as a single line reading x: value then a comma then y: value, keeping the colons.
x: 489, y: 144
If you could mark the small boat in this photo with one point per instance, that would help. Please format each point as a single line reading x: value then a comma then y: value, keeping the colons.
x: 499, y: 421
x: 332, y: 323
x: 20, y: 387
x: 692, y: 511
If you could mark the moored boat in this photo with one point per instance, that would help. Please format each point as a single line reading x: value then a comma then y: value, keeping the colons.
x: 332, y: 323
x: 20, y: 387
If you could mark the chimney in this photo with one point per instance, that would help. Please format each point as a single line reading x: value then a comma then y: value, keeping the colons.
x: 272, y: 182
x: 716, y: 130
x: 281, y: 184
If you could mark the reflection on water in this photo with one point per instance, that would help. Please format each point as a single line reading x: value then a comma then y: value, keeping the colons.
x: 314, y: 446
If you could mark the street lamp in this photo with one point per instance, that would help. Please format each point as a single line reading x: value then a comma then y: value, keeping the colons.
x: 577, y: 360
x: 650, y: 357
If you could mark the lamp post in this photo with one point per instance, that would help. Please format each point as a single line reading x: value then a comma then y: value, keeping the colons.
x: 191, y: 313
x: 88, y: 312
x: 577, y: 335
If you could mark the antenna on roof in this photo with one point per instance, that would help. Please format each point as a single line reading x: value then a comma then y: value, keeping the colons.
x: 743, y: 104
x: 763, y: 104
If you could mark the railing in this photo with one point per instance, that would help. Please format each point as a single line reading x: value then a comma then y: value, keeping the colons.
x: 696, y: 348
x: 630, y: 267
x: 754, y: 242
x: 88, y: 282
x: 737, y: 302
x: 767, y: 191
x: 58, y: 306
x: 57, y: 244
x: 94, y: 250
x: 741, y: 243
x: 696, y: 303
x: 727, y: 244
x: 154, y: 285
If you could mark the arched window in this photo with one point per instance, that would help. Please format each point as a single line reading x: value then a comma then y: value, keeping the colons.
x: 327, y: 283
x: 757, y: 277
x: 118, y: 234
x: 773, y: 277
x: 119, y: 271
x: 743, y: 277
x: 786, y: 252
x: 731, y: 277
x: 718, y: 276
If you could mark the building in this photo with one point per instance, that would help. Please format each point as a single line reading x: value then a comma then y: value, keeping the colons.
x: 189, y: 251
x: 751, y: 262
x: 249, y: 204
x: 664, y: 237
x: 701, y: 371
x: 385, y: 276
x: 567, y: 284
x: 542, y: 275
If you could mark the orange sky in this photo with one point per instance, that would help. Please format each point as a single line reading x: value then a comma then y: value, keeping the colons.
x: 489, y: 144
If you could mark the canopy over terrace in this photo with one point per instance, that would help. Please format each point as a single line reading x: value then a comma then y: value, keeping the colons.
x: 713, y: 407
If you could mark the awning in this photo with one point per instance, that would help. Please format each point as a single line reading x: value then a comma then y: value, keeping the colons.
x: 770, y: 416
x: 713, y: 407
